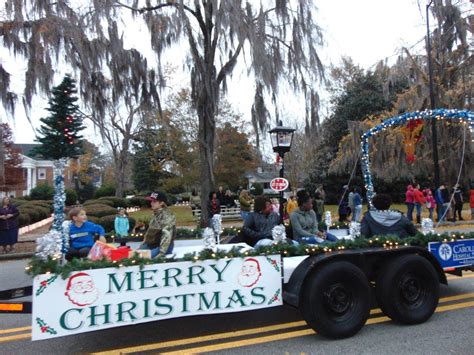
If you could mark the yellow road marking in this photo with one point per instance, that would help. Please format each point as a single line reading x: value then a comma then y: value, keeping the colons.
x: 296, y: 334
x: 15, y: 337
x: 216, y: 336
x: 14, y: 330
x: 470, y: 276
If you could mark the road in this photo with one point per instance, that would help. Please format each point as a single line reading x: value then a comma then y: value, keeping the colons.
x: 275, y: 330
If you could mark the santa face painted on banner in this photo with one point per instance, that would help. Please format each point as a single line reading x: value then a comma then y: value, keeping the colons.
x: 80, y: 290
x: 249, y: 273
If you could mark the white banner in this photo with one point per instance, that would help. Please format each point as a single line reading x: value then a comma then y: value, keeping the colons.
x: 105, y: 298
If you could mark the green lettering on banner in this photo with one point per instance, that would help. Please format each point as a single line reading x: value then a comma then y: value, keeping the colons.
x: 208, y: 304
x: 258, y: 295
x: 191, y: 274
x: 220, y: 272
x: 93, y: 315
x: 163, y: 305
x: 146, y: 310
x: 113, y: 281
x: 63, y: 321
x: 168, y: 277
x: 239, y: 299
x: 121, y: 311
x: 143, y: 277
x: 185, y: 301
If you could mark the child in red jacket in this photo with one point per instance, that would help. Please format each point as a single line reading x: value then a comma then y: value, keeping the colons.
x: 419, y: 200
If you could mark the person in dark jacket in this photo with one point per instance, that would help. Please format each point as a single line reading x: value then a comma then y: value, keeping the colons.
x: 213, y: 205
x: 228, y: 200
x: 383, y: 221
x: 458, y: 203
x: 8, y: 225
x: 259, y: 224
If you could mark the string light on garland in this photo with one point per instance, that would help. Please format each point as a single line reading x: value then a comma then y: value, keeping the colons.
x: 464, y: 117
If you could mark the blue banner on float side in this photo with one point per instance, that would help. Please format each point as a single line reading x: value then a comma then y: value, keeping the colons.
x: 453, y: 254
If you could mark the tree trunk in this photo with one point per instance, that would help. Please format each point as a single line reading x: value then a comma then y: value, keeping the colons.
x: 2, y: 159
x: 121, y: 164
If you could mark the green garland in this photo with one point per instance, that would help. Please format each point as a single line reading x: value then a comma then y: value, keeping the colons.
x: 38, y: 266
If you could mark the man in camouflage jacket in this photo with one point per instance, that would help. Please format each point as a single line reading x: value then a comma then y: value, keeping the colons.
x: 162, y: 229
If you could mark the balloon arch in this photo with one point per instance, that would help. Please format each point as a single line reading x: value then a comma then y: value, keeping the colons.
x: 465, y: 117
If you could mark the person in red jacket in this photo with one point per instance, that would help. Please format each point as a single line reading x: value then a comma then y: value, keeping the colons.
x: 471, y: 201
x: 419, y: 200
x: 409, y: 202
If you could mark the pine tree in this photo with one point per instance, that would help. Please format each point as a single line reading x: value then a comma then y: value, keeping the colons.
x: 60, y: 130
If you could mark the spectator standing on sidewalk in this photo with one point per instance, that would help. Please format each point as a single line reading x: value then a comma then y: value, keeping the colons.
x: 357, y: 201
x: 419, y: 201
x: 458, y: 203
x: 471, y: 201
x: 8, y: 225
x: 409, y: 201
x: 245, y: 201
x: 430, y: 202
x: 440, y: 202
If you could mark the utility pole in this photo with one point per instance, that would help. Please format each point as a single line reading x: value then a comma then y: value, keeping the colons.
x: 434, y: 133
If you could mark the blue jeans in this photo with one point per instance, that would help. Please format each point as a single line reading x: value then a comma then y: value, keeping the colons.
x: 156, y: 251
x: 418, y: 212
x: 356, y: 213
x: 317, y: 240
x: 410, y: 211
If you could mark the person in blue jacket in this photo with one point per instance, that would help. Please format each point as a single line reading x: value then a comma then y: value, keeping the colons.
x: 81, y: 234
x: 121, y: 224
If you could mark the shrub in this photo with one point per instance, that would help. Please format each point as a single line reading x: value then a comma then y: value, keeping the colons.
x: 34, y: 213
x: 93, y: 219
x: 24, y: 219
x: 105, y: 190
x: 98, y: 202
x: 17, y: 202
x: 71, y: 197
x: 117, y: 201
x: 42, y: 192
x: 108, y: 222
x: 41, y: 203
x: 256, y: 189
x: 100, y: 210
x: 140, y: 201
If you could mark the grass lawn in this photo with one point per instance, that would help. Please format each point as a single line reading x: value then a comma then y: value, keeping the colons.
x: 184, y: 216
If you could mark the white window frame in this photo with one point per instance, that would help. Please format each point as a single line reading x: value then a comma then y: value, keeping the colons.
x: 41, y: 173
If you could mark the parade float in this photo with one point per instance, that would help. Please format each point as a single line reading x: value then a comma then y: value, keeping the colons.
x: 331, y: 284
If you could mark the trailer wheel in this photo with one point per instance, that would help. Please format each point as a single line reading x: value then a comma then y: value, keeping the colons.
x: 336, y: 300
x: 407, y: 289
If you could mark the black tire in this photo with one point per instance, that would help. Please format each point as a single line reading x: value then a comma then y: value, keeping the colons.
x: 407, y: 289
x: 336, y: 300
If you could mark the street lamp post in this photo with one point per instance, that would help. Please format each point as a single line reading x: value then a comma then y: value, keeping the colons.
x: 281, y: 137
x: 434, y: 133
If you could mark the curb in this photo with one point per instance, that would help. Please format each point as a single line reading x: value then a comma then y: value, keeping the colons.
x: 15, y: 256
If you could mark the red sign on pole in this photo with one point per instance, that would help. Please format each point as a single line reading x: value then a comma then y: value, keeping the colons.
x: 279, y: 184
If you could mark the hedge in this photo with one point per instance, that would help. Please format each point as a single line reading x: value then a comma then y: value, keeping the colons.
x: 100, y: 210
x: 93, y: 219
x: 98, y: 202
x: 117, y: 201
x: 140, y: 201
x: 108, y: 222
x: 41, y: 203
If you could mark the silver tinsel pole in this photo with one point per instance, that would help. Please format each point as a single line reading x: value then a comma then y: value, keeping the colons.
x: 354, y: 229
x: 327, y: 219
x: 50, y: 245
x: 59, y: 201
x: 279, y: 234
x: 209, y: 238
x: 427, y: 226
x: 216, y: 223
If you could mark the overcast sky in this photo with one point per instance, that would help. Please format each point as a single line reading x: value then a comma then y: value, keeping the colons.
x: 366, y: 30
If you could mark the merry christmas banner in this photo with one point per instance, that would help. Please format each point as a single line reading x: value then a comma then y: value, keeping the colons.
x: 97, y: 299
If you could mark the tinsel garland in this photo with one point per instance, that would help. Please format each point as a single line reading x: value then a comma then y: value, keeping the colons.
x: 327, y: 219
x: 279, y: 233
x: 39, y: 266
x: 209, y: 238
x: 216, y: 223
x: 427, y: 226
x: 59, y: 202
x: 50, y: 245
x: 354, y: 229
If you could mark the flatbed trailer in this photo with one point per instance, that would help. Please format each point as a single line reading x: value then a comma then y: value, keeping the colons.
x: 333, y: 291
